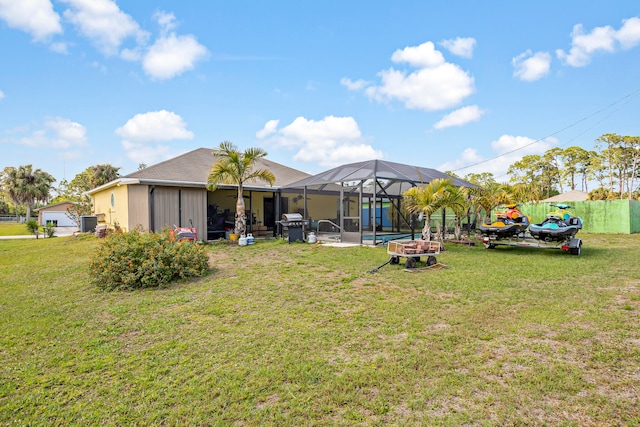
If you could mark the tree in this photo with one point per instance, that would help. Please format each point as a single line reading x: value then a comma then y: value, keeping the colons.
x: 574, y: 162
x: 77, y: 210
x: 426, y: 200
x: 101, y: 174
x: 542, y: 172
x: 457, y: 199
x: 234, y: 167
x: 490, y: 196
x: 610, y: 145
x: 551, y: 167
x: 480, y: 179
x: 523, y: 193
x: 26, y: 186
x: 631, y: 147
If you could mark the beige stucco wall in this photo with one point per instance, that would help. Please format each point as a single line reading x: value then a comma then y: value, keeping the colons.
x: 138, y: 206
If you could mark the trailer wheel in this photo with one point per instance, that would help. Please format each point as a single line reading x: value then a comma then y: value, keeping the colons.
x: 395, y: 260
x: 575, y: 251
x: 411, y: 263
x: 431, y: 260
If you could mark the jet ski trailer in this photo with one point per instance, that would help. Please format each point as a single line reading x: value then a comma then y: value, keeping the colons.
x: 572, y: 244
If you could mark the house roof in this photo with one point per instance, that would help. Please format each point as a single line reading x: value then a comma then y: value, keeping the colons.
x: 192, y: 169
x: 61, y: 206
x: 570, y: 196
x: 395, y: 173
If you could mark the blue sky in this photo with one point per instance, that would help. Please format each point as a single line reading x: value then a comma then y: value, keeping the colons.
x: 455, y: 85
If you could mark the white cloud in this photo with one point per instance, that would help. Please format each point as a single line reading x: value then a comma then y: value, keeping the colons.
x: 35, y: 17
x: 629, y: 34
x: 600, y: 39
x: 166, y: 20
x: 507, y: 149
x: 435, y: 85
x: 172, y: 55
x: 2, y: 95
x: 269, y: 128
x: 461, y: 46
x: 58, y: 135
x: 59, y: 47
x: 460, y: 117
x: 330, y: 142
x: 155, y: 126
x: 422, y: 56
x: 354, y: 85
x: 103, y: 22
x: 530, y: 67
x: 143, y: 132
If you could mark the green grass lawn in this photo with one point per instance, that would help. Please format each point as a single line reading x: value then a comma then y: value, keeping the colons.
x: 294, y: 334
x: 13, y: 229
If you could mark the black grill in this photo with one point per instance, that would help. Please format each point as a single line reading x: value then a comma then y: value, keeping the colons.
x: 293, y: 224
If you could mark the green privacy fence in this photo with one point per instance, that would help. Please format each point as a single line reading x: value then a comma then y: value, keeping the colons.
x: 598, y: 216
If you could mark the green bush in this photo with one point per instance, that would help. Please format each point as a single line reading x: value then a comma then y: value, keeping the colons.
x: 49, y: 230
x: 32, y: 226
x: 143, y: 260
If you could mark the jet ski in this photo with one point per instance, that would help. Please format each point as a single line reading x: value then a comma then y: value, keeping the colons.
x: 508, y: 224
x: 558, y: 226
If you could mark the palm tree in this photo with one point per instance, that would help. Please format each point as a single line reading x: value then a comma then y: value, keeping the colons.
x: 490, y: 196
x: 101, y: 174
x: 235, y: 167
x: 426, y: 200
x: 457, y: 199
x: 26, y: 186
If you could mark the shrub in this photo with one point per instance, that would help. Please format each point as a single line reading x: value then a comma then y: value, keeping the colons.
x: 49, y: 229
x: 143, y: 260
x: 32, y: 226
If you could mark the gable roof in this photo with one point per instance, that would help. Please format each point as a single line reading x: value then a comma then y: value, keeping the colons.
x: 570, y: 196
x: 60, y: 206
x: 192, y: 169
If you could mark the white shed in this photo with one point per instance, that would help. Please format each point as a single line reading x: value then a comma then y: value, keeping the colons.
x: 57, y: 214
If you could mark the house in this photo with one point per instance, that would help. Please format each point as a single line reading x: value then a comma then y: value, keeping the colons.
x: 56, y: 214
x: 174, y: 193
x: 351, y: 198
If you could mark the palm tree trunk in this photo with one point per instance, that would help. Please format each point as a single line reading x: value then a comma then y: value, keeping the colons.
x: 457, y: 228
x: 426, y: 230
x: 241, y: 217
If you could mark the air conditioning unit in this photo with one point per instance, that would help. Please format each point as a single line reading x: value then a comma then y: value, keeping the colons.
x: 88, y: 224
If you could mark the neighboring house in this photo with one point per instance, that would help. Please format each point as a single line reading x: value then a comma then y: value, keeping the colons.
x: 56, y: 214
x: 173, y: 193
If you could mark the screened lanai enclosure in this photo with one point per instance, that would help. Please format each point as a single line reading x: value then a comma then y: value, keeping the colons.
x: 361, y: 202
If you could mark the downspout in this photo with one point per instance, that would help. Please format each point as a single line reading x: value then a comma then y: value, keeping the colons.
x: 152, y: 222
x: 179, y: 207
x: 304, y: 205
